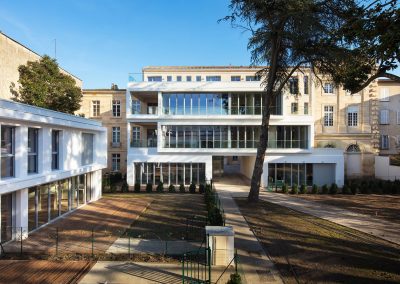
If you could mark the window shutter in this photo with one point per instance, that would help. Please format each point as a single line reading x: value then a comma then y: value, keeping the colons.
x: 384, y: 94
x: 384, y: 116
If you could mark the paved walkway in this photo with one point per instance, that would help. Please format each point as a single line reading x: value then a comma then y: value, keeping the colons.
x: 143, y: 273
x: 364, y: 223
x: 255, y: 264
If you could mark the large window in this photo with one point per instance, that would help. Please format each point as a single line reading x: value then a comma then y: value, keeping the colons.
x: 290, y: 174
x: 55, y: 149
x: 384, y: 95
x: 213, y: 78
x: 95, y: 108
x: 328, y: 115
x: 235, y: 78
x: 135, y: 107
x: 7, y: 151
x: 384, y: 142
x: 215, y: 136
x: 253, y: 78
x: 87, y: 148
x: 116, y: 108
x: 352, y: 116
x: 305, y: 80
x: 33, y: 141
x: 7, y: 216
x: 294, y: 108
x: 170, y: 173
x: 154, y: 78
x: 328, y: 88
x: 294, y: 85
x: 135, y: 136
x: 116, y: 134
x: 384, y: 116
x: 116, y: 162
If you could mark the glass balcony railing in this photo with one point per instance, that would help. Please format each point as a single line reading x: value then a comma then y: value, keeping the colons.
x: 153, y: 110
x: 238, y: 110
x: 237, y: 144
x: 149, y: 143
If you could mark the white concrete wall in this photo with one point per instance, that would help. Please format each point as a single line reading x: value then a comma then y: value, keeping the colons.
x: 383, y: 169
x: 247, y: 165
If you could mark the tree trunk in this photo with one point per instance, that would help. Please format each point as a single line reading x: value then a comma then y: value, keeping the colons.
x: 262, y: 148
x: 268, y: 99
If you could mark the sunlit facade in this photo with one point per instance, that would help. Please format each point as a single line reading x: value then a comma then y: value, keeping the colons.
x: 189, y: 124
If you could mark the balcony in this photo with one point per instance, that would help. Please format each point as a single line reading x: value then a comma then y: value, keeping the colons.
x: 237, y: 144
x: 148, y: 143
x: 151, y: 110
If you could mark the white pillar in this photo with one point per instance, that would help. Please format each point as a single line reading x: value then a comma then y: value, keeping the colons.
x: 21, y: 213
x: 21, y: 153
x: 45, y: 150
x: 130, y: 177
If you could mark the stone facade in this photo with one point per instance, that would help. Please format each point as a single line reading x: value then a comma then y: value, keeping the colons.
x: 109, y: 120
x: 12, y: 55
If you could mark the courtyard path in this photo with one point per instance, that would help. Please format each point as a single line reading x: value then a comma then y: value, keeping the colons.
x: 256, y: 266
x: 377, y: 227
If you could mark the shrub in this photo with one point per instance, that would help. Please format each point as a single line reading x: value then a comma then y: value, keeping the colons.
x: 136, y: 187
x: 149, y: 187
x: 171, y: 188
x: 325, y: 189
x: 192, y: 188
x: 284, y: 188
x: 208, y: 187
x: 354, y: 188
x: 346, y: 189
x: 160, y: 187
x: 314, y: 189
x: 113, y: 188
x: 397, y: 186
x: 333, y: 189
x: 303, y: 189
x: 202, y: 188
x: 364, y: 187
x: 124, y: 186
x: 181, y: 188
x: 115, y: 177
x: 295, y: 189
x: 215, y: 217
x: 235, y: 279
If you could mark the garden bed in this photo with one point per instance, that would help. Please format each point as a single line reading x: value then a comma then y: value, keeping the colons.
x: 307, y: 249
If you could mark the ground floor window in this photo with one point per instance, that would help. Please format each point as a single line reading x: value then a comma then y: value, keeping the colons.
x: 170, y: 173
x: 290, y: 173
x: 7, y: 216
x: 47, y: 202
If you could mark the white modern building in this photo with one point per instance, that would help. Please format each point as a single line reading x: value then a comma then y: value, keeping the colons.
x: 189, y: 124
x: 51, y: 164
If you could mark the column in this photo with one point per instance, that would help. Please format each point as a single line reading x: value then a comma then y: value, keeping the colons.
x: 21, y: 213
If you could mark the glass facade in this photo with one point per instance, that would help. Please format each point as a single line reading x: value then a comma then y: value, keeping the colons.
x: 7, y: 151
x: 290, y: 174
x: 170, y: 173
x: 6, y: 215
x: 217, y: 104
x: 47, y: 202
x: 215, y: 136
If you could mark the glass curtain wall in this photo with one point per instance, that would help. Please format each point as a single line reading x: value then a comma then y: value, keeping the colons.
x: 47, y: 202
x: 169, y: 173
x: 217, y: 104
x: 234, y: 137
x: 7, y: 218
x: 291, y: 174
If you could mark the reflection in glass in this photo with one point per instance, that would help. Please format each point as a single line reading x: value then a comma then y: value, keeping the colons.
x: 43, y: 204
x: 32, y: 224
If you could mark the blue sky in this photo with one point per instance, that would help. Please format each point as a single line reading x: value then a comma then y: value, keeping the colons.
x: 101, y: 41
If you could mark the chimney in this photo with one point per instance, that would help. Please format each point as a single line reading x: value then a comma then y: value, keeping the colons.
x: 114, y: 86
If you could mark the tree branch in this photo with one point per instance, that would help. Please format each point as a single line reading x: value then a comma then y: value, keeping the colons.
x: 380, y: 73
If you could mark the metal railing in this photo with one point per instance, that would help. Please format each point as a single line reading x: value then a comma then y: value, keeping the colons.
x: 196, y: 265
x: 149, y: 143
x: 151, y: 110
x: 237, y: 144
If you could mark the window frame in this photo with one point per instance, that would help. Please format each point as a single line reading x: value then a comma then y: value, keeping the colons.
x: 385, y: 121
x: 384, y: 95
x: 55, y: 153
x: 294, y: 108
x: 352, y: 116
x: 383, y: 145
x: 329, y: 88
x: 8, y: 154
x: 136, y: 106
x: 116, y: 162
x: 95, y: 108
x: 235, y: 77
x: 116, y: 108
x: 33, y: 152
x: 116, y: 133
x: 213, y: 78
x: 154, y: 78
x: 328, y: 115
